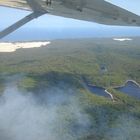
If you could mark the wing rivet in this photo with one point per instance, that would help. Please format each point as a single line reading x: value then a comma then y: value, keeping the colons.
x: 133, y: 20
x: 115, y: 18
x: 48, y: 2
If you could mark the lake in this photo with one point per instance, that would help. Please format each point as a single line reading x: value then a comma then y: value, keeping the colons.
x: 130, y: 89
x: 98, y: 91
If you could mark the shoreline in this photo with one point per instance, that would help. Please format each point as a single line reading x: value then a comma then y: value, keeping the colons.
x: 115, y: 87
x: 110, y: 94
x: 105, y: 90
x: 133, y: 81
x: 130, y: 80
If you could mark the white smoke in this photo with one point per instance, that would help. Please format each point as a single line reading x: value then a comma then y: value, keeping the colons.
x: 127, y: 128
x: 57, y: 114
x: 52, y: 115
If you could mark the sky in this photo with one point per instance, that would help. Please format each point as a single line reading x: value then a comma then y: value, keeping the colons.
x: 60, y: 25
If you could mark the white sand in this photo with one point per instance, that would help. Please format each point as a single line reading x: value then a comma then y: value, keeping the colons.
x: 12, y: 47
x: 122, y: 39
x: 109, y: 94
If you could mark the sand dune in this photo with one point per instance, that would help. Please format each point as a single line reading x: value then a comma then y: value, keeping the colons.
x: 122, y: 39
x: 12, y: 47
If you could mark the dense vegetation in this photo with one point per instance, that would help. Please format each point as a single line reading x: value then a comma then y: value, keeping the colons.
x: 67, y: 63
x: 82, y: 58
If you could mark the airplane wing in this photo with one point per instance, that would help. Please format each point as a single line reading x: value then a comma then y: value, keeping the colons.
x: 99, y: 11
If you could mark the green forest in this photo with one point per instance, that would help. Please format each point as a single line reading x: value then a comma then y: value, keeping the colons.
x: 102, y: 62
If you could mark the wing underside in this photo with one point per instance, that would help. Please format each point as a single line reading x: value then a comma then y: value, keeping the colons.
x: 98, y: 11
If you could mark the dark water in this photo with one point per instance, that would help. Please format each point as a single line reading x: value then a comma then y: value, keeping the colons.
x: 130, y: 89
x: 98, y: 91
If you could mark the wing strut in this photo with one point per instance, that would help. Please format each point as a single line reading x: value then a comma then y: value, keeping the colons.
x: 38, y: 11
x: 20, y: 23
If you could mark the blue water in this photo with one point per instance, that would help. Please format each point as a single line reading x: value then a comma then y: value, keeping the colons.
x: 49, y: 27
x: 130, y: 89
x: 98, y: 91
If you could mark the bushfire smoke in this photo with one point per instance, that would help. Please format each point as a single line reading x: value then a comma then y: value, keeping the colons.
x: 57, y: 114
x: 52, y: 115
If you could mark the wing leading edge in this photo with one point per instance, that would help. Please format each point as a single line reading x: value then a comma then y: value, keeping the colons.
x: 98, y: 11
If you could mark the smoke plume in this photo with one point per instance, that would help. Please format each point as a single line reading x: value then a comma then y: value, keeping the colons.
x: 57, y: 114
x: 54, y: 114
